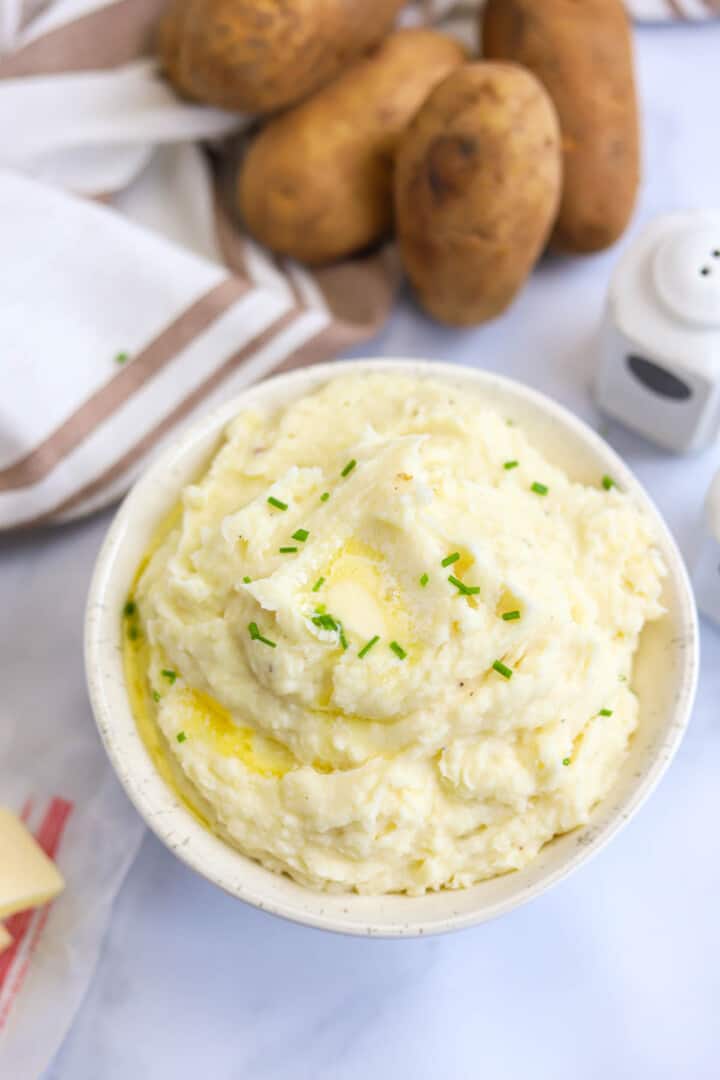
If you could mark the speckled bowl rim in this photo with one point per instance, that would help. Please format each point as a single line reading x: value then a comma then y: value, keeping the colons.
x: 244, y: 878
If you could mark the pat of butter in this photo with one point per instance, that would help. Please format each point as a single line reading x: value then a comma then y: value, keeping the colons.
x: 28, y: 878
x: 5, y: 938
x: 356, y: 608
x: 360, y: 594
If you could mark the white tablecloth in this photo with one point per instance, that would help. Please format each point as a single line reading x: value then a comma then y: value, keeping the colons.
x: 615, y: 973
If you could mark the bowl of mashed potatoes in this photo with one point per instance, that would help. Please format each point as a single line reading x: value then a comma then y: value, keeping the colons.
x: 389, y: 647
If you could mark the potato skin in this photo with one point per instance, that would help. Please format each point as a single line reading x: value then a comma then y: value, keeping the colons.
x: 582, y: 54
x: 477, y: 185
x: 260, y: 55
x: 316, y: 184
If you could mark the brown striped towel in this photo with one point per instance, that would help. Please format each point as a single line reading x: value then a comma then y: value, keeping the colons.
x: 133, y: 301
x: 130, y: 298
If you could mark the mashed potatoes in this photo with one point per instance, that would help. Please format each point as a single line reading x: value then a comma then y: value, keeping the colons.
x: 388, y: 645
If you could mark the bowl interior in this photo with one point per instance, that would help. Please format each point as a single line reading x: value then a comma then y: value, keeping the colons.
x: 665, y: 673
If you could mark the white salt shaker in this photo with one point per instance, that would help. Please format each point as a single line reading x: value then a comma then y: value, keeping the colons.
x: 659, y: 370
x: 706, y: 573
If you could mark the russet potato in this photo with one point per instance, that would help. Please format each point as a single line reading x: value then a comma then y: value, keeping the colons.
x: 260, y: 55
x: 316, y: 183
x: 582, y: 54
x: 477, y: 185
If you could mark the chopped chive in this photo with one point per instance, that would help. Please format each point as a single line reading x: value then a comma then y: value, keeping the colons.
x: 398, y: 650
x: 318, y: 584
x: 130, y: 608
x: 349, y: 467
x: 155, y: 695
x: 320, y: 609
x: 502, y: 669
x: 539, y: 489
x: 424, y: 580
x: 343, y: 639
x: 300, y: 534
x: 566, y: 761
x: 277, y: 503
x: 325, y: 496
x: 133, y: 633
x: 326, y: 622
x: 605, y: 712
x: 366, y: 648
x: 509, y: 616
x: 509, y: 422
x: 247, y: 580
x: 122, y: 357
x: 287, y: 550
x: 257, y: 636
x: 450, y: 559
x: 169, y: 674
x: 608, y: 482
x: 511, y: 465
x: 466, y: 590
x: 181, y: 736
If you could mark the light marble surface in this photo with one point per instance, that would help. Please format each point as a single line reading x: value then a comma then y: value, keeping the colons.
x: 615, y: 972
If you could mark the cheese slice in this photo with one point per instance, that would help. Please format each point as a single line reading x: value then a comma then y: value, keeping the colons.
x: 28, y: 878
x: 5, y: 938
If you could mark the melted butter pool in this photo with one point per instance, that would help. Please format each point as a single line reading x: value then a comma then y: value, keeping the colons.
x: 200, y: 716
x: 204, y: 720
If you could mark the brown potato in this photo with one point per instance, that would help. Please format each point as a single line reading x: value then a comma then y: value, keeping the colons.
x: 316, y: 184
x: 261, y: 55
x: 582, y: 54
x: 477, y: 185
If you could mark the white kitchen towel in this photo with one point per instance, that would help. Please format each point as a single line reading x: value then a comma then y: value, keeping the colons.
x: 125, y: 311
x: 124, y: 335
x: 112, y: 335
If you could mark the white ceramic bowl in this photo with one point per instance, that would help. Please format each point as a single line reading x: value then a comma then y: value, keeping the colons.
x: 665, y: 675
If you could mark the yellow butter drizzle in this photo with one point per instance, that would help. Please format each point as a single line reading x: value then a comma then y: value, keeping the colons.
x: 202, y: 718
x: 136, y: 660
x: 136, y: 664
